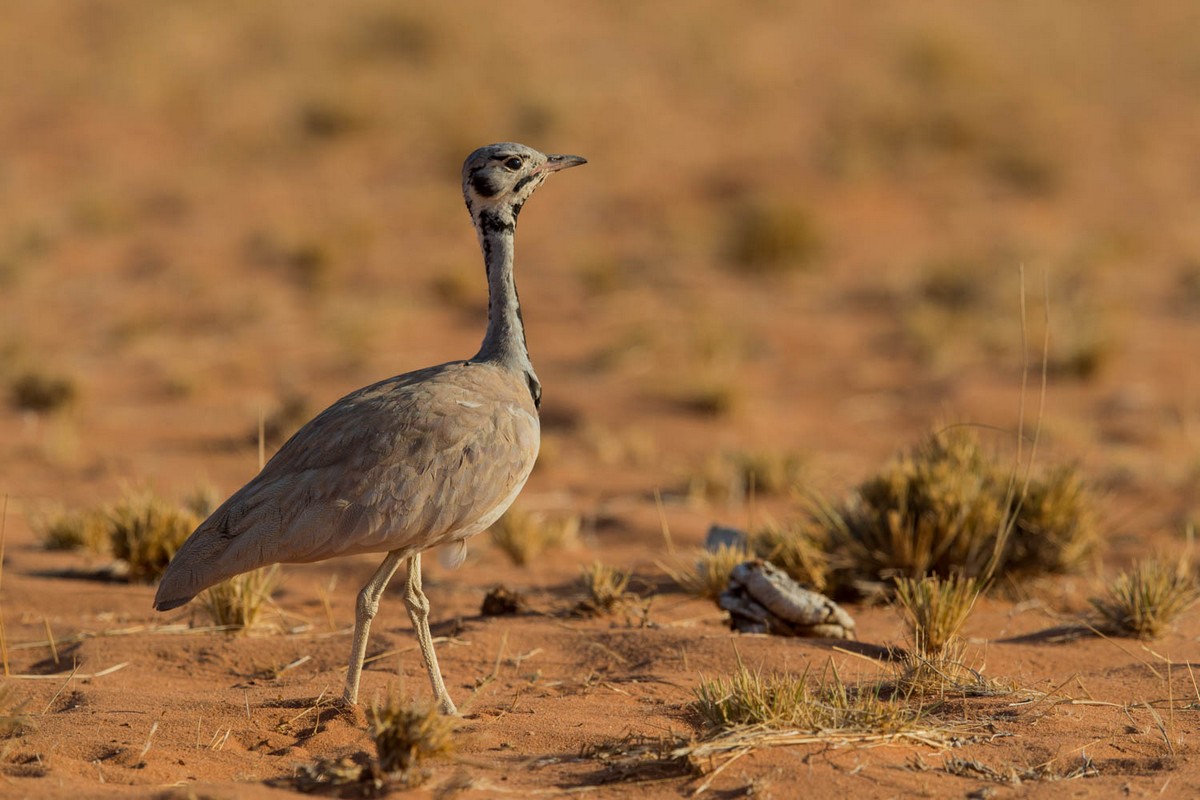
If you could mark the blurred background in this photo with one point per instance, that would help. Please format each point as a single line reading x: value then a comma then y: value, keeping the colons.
x: 800, y: 237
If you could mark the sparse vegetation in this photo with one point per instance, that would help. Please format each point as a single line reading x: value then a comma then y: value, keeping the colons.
x: 606, y: 588
x: 524, y: 535
x: 292, y: 411
x: 408, y: 734
x: 736, y: 475
x: 711, y: 398
x: 1144, y: 601
x: 935, y: 610
x: 797, y: 549
x: 772, y: 239
x: 43, y: 392
x: 709, y: 574
x: 236, y: 603
x: 145, y: 531
x: 61, y: 529
x: 749, y: 698
x: 949, y: 507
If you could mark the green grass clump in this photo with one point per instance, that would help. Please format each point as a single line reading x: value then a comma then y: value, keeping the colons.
x: 408, y: 734
x: 145, y: 531
x: 950, y: 507
x: 236, y: 603
x: 1143, y: 602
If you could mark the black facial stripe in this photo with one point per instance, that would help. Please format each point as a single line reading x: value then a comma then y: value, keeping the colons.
x: 482, y: 185
x: 521, y: 184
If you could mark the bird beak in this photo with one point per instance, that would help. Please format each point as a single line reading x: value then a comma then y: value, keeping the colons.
x: 556, y: 163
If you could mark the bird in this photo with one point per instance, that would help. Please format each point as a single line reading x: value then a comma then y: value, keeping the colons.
x: 426, y: 458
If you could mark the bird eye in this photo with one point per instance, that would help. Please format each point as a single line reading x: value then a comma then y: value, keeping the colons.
x: 513, y: 163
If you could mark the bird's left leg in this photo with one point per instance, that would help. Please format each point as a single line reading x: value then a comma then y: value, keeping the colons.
x: 418, y: 612
x: 365, y: 610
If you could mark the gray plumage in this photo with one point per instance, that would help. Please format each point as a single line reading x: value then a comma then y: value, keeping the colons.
x: 427, y: 458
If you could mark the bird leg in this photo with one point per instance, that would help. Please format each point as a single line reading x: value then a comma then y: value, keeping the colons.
x: 365, y: 610
x: 418, y: 612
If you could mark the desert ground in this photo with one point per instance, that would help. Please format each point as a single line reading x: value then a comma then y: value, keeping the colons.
x: 807, y: 234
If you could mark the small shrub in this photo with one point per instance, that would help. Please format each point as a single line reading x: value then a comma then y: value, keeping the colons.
x: 711, y: 399
x: 948, y: 507
x: 1054, y: 526
x: 60, y: 529
x: 292, y: 411
x: 524, y: 535
x: 145, y: 531
x: 797, y: 550
x: 782, y: 701
x: 766, y: 239
x: 202, y: 500
x: 935, y: 609
x: 605, y: 587
x: 327, y: 119
x: 406, y: 735
x: 42, y: 392
x: 237, y: 602
x: 709, y: 575
x: 737, y: 475
x: 1144, y: 601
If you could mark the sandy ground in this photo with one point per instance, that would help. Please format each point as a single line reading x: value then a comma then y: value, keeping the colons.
x: 205, y: 213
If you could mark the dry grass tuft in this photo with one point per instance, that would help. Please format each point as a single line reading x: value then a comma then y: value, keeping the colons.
x: 935, y: 609
x: 524, y: 535
x: 606, y: 588
x: 61, y: 529
x: 748, y: 698
x: 408, y: 734
x: 1144, y: 601
x: 42, y: 392
x: 796, y: 549
x: 145, y: 531
x: 949, y: 507
x: 708, y: 576
x: 772, y: 239
x: 236, y: 603
x: 735, y: 476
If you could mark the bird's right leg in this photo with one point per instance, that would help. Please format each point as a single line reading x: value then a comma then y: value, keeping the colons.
x: 364, y: 612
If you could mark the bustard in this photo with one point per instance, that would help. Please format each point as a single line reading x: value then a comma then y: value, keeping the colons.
x: 427, y: 458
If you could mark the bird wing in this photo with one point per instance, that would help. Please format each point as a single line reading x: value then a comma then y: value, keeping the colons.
x: 409, y: 462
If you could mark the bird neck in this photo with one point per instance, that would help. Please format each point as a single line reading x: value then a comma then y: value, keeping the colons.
x: 504, y: 342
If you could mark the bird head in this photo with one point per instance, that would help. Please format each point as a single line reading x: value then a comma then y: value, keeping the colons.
x: 499, y: 178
